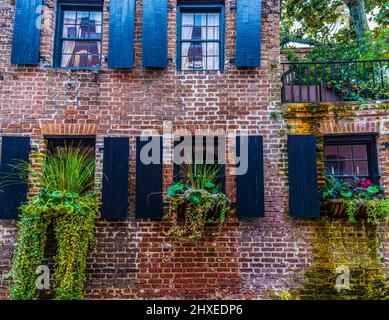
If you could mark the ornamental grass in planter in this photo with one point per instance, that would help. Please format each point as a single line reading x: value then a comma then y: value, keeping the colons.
x: 196, y: 203
x: 354, y: 201
x: 67, y: 204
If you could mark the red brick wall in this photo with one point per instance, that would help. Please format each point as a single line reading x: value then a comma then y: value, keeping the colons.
x: 133, y: 259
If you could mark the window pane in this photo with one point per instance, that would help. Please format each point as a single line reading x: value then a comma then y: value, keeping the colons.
x: 69, y: 31
x: 69, y: 17
x: 213, y: 49
x: 344, y: 152
x: 346, y: 168
x: 95, y: 18
x: 196, y: 33
x: 187, y: 19
x: 82, y: 31
x: 95, y: 31
x: 330, y: 152
x: 213, y: 19
x: 186, y: 33
x: 94, y: 47
x: 93, y: 61
x: 361, y: 168
x: 360, y: 152
x: 213, y: 63
x: 185, y: 63
x: 81, y: 60
x: 205, y: 62
x: 197, y: 52
x: 83, y: 17
x: 67, y: 61
x: 68, y: 46
x: 200, y: 19
x: 81, y: 47
x: 213, y: 33
x: 331, y: 168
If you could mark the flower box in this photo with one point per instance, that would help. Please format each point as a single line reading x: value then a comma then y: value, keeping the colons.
x: 336, y: 208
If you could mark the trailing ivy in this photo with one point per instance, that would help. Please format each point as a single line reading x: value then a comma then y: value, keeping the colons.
x: 73, y: 229
x: 29, y: 252
x: 66, y: 177
x: 199, y: 208
x: 73, y: 218
x: 196, y: 204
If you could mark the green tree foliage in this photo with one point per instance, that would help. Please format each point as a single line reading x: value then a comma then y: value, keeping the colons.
x: 317, y: 20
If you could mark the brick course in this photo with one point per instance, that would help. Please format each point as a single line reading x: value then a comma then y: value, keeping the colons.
x: 133, y: 259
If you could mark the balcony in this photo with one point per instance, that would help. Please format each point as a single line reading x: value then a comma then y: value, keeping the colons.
x: 312, y: 82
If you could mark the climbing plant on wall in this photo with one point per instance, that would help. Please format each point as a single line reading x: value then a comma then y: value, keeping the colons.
x: 66, y: 203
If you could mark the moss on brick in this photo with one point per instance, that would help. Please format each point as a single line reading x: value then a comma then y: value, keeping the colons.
x: 356, y: 247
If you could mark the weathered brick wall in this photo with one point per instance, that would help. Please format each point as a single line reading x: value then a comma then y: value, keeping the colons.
x: 361, y: 247
x: 133, y: 259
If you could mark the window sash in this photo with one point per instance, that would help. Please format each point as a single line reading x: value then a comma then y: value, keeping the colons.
x: 369, y: 140
x: 219, y: 9
x: 58, y: 50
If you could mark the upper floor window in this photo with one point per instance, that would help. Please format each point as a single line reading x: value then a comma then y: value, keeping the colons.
x: 351, y: 156
x: 79, y: 37
x: 200, y: 38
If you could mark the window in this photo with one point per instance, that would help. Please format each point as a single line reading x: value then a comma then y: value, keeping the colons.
x: 87, y: 144
x: 79, y: 37
x: 351, y: 156
x: 208, y: 151
x: 200, y: 38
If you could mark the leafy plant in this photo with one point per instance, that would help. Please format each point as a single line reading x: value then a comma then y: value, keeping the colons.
x: 67, y: 169
x: 354, y: 196
x: 199, y: 200
x: 362, y: 189
x: 29, y: 252
x: 72, y: 215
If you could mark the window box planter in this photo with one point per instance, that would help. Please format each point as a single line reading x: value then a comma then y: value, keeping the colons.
x: 192, y: 210
x: 212, y: 214
x: 336, y: 208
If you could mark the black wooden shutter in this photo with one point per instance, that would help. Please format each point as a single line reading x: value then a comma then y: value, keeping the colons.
x: 250, y: 186
x: 115, y: 178
x: 11, y: 197
x: 121, y: 34
x: 248, y: 33
x: 26, y: 34
x: 149, y: 202
x: 154, y: 33
x: 303, y: 188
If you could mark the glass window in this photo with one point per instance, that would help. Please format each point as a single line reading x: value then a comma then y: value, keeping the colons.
x: 346, y: 160
x: 350, y: 157
x: 87, y: 144
x: 200, y: 40
x: 80, y: 38
x: 204, y: 151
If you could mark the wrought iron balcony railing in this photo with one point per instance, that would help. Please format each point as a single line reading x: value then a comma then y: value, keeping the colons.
x: 335, y: 81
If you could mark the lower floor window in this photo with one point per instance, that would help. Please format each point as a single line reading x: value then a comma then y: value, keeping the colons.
x: 205, y: 153
x: 351, y: 157
x: 85, y: 144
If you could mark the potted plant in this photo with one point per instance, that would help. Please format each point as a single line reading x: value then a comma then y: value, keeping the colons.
x: 196, y: 202
x: 66, y: 203
x: 360, y: 199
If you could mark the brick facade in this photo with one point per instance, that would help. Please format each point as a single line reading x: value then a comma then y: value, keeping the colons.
x: 133, y: 259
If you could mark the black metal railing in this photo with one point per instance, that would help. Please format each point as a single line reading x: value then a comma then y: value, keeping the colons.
x: 335, y: 81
